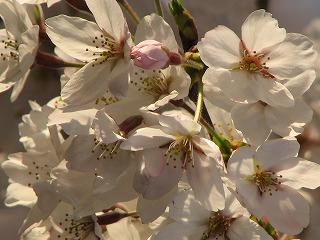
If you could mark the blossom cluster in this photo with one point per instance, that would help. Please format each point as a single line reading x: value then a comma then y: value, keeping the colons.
x: 152, y: 140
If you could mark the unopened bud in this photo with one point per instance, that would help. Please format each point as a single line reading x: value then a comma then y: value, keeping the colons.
x: 152, y: 55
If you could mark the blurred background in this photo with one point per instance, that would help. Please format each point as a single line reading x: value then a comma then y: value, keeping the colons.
x: 43, y: 84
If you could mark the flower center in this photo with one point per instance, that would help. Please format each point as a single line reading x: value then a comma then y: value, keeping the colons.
x: 102, y: 150
x: 40, y: 172
x: 106, y: 49
x: 267, y: 181
x: 76, y: 229
x: 151, y: 82
x: 252, y: 62
x: 10, y: 50
x: 218, y: 226
x: 181, y: 148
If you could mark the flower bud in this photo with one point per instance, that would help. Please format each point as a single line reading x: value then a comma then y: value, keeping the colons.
x: 152, y: 55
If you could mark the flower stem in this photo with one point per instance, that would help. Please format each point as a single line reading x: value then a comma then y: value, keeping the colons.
x: 79, y: 5
x: 197, y: 113
x: 130, y: 10
x: 193, y: 64
x: 157, y: 3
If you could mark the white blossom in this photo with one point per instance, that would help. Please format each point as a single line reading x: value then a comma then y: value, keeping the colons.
x: 267, y: 178
x: 18, y: 46
x: 104, y: 45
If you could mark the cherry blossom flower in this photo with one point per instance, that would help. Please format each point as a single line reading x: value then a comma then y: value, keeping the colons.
x: 104, y: 45
x: 267, y: 178
x: 170, y: 148
x: 44, y: 152
x: 18, y: 46
x: 256, y: 67
x: 195, y: 222
x: 261, y: 118
x: 61, y: 224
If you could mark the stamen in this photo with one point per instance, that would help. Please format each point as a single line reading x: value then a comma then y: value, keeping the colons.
x: 10, y: 50
x: 267, y: 181
x: 151, y: 82
x: 107, y: 150
x: 181, y: 148
x: 76, y: 229
x: 106, y: 100
x: 252, y: 62
x: 217, y: 226
x: 107, y: 49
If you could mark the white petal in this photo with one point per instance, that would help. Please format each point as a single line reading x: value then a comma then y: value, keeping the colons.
x: 249, y: 196
x: 48, y: 199
x: 155, y: 160
x: 243, y: 229
x: 74, y: 119
x: 17, y: 88
x: 301, y: 83
x: 271, y: 92
x: 73, y: 35
x: 288, y: 121
x: 180, y: 81
x: 153, y: 188
x: 123, y: 229
x: 253, y: 124
x: 260, y: 30
x: 118, y: 80
x: 180, y: 124
x: 286, y: 210
x: 208, y: 148
x: 145, y: 138
x: 106, y: 128
x: 213, y: 93
x: 87, y: 84
x: 150, y: 210
x: 222, y: 122
x: 163, y: 100
x: 28, y: 48
x: 109, y: 17
x: 240, y: 164
x: 292, y: 57
x: 110, y: 171
x: 233, y: 207
x: 15, y: 18
x: 18, y: 194
x: 236, y: 85
x: 180, y: 231
x: 185, y: 208
x: 224, y: 43
x: 82, y: 155
x: 304, y: 174
x: 271, y: 153
x: 206, y: 183
x: 154, y: 27
x: 35, y: 215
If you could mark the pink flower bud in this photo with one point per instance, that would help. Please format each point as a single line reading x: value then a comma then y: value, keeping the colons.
x: 151, y: 55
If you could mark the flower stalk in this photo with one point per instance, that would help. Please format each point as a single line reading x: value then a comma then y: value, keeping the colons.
x: 158, y: 6
x: 51, y: 61
x: 130, y: 10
